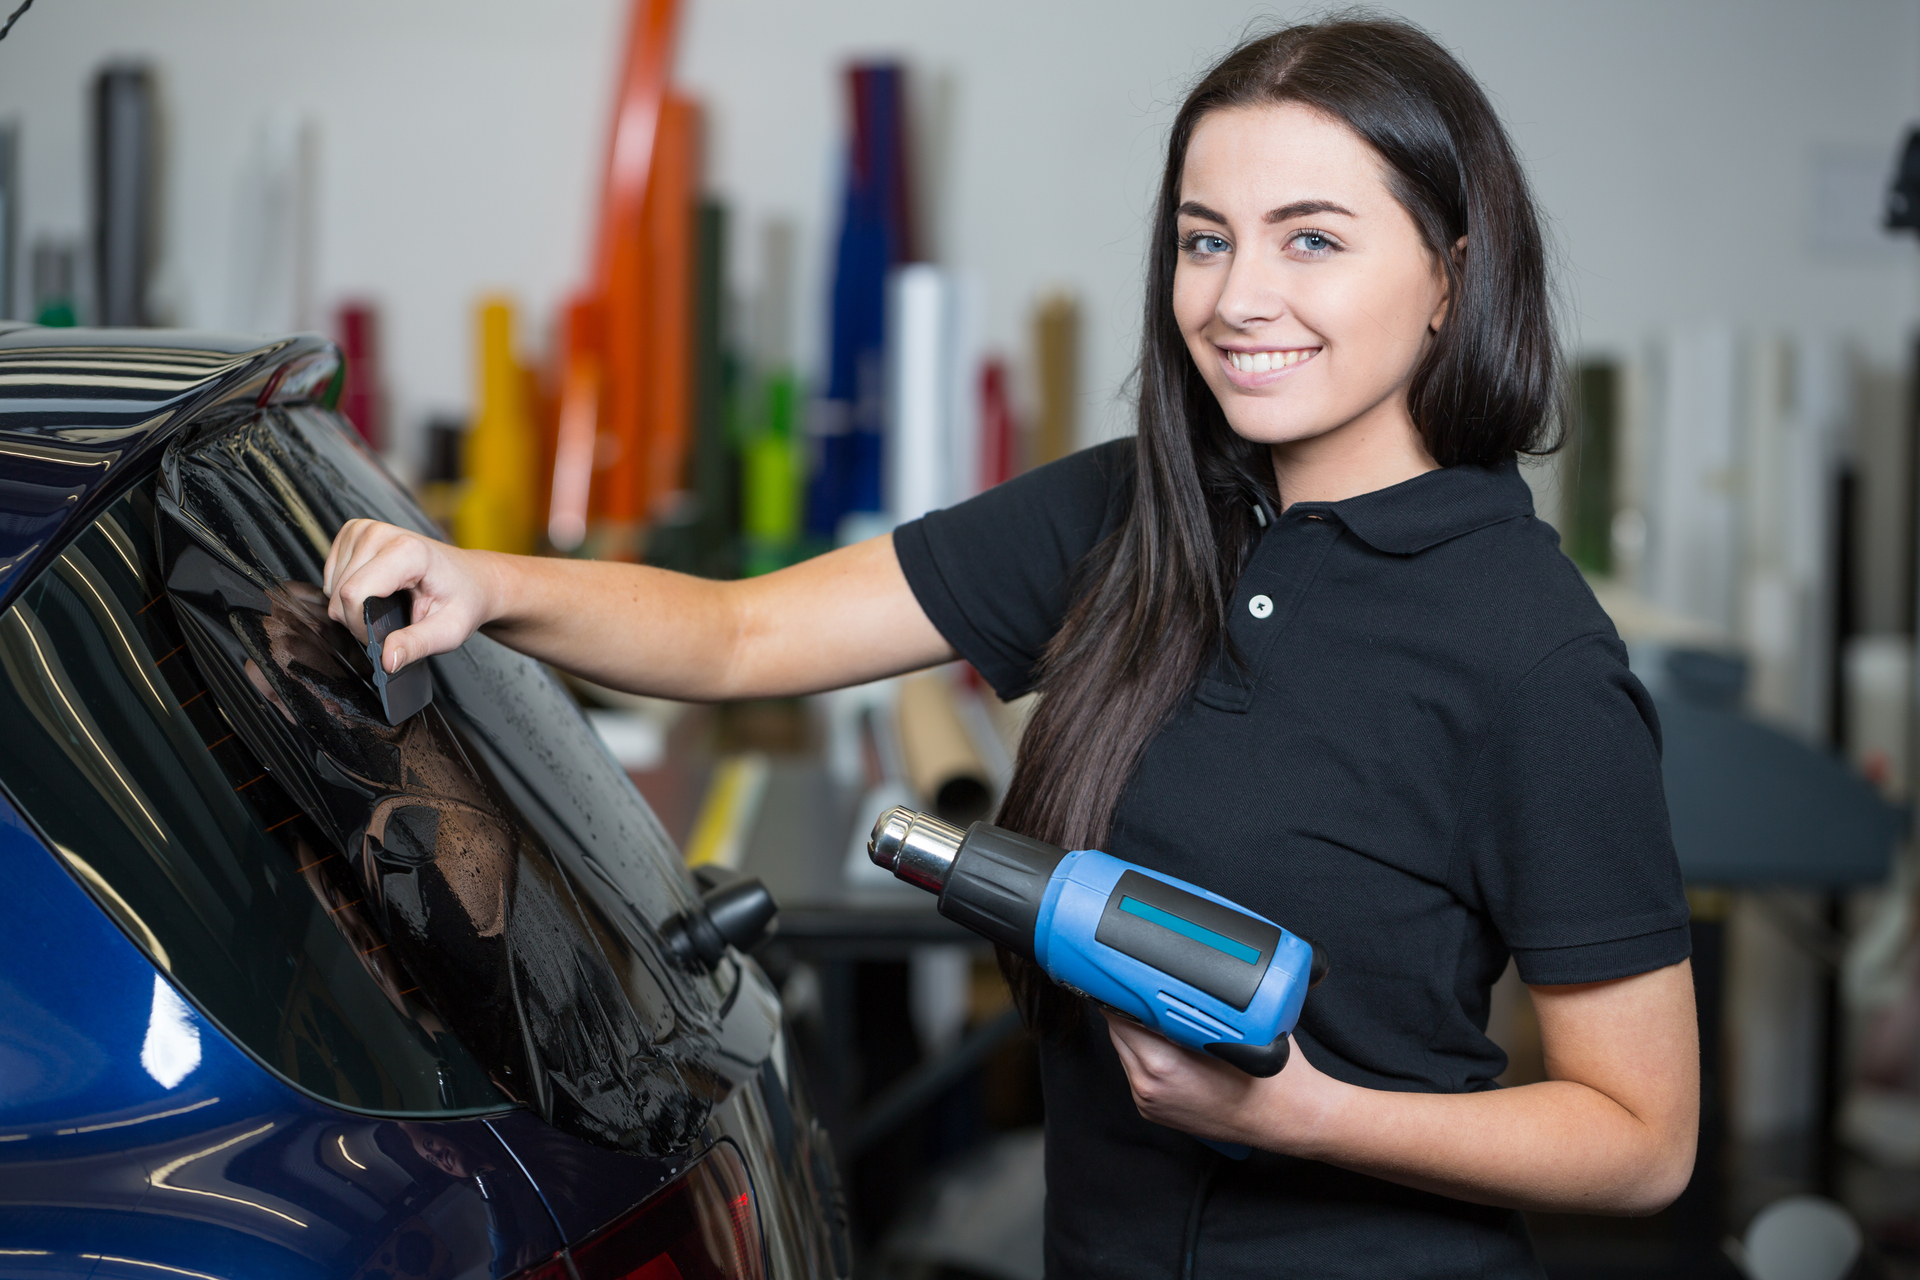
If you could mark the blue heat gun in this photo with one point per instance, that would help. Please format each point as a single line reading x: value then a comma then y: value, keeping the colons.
x: 1189, y: 964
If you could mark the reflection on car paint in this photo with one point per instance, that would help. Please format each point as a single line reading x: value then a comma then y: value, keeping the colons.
x: 136, y: 1141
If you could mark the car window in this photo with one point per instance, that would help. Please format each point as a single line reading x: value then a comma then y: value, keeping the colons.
x: 115, y: 749
x: 458, y: 912
x: 517, y: 881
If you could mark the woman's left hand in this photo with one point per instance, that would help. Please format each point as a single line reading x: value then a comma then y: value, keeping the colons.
x: 1205, y: 1097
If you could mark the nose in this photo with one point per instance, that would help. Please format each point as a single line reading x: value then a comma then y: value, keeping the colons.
x: 1252, y: 296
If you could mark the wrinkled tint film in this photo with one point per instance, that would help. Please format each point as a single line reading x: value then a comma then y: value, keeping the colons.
x: 510, y: 870
x: 115, y: 747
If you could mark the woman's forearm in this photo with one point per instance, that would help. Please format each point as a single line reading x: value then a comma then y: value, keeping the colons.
x: 1611, y: 1131
x: 841, y: 618
x: 838, y: 619
x: 627, y: 626
x: 1553, y: 1146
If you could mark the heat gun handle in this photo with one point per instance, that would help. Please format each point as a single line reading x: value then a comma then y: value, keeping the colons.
x: 1261, y: 1060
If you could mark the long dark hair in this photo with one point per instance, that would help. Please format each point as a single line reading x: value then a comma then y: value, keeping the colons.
x: 1151, y: 600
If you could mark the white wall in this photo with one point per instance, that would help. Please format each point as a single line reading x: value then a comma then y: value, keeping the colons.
x: 460, y: 147
x: 1676, y: 147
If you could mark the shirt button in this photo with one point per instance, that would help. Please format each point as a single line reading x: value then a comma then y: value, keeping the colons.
x: 1260, y: 606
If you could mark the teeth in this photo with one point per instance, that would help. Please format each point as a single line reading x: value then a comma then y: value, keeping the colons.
x: 1263, y: 361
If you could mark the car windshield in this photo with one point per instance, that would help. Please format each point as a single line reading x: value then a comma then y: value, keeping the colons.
x: 453, y: 914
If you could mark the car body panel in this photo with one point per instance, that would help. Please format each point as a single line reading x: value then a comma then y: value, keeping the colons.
x: 136, y: 1140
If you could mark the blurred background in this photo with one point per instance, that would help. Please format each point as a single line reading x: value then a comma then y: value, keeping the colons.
x: 716, y: 284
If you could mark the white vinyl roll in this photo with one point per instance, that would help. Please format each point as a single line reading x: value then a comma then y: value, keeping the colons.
x: 917, y: 447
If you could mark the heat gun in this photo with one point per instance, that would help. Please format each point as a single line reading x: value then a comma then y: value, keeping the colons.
x: 1198, y: 969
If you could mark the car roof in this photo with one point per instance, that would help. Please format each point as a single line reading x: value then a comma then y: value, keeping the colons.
x: 82, y: 409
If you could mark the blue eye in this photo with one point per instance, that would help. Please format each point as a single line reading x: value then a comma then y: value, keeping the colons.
x: 1313, y: 242
x: 1205, y: 242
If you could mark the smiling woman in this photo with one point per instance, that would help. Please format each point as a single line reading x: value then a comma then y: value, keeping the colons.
x: 1355, y: 684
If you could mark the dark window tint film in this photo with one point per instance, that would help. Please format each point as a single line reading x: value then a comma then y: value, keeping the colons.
x: 116, y: 748
x: 515, y: 878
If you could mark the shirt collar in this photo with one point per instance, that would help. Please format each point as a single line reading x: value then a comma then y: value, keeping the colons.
x: 1431, y: 508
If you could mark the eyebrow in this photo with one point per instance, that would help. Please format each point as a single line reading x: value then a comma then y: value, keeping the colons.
x: 1306, y: 208
x: 1298, y: 209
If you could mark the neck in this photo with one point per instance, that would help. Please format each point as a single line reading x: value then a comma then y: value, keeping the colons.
x: 1377, y: 449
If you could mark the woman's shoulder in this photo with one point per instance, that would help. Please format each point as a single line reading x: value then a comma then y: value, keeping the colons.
x: 1062, y: 507
x: 1530, y: 599
x: 994, y: 574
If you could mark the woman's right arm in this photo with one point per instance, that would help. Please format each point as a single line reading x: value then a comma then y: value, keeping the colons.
x: 837, y: 619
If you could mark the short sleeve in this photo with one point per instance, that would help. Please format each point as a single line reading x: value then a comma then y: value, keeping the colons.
x: 1564, y: 841
x: 995, y: 573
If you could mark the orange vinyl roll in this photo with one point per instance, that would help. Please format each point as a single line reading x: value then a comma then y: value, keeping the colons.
x: 578, y: 423
x: 670, y: 238
x: 622, y: 384
x: 619, y: 279
x: 543, y: 405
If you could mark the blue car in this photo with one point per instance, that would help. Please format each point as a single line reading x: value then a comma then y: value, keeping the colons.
x: 287, y: 989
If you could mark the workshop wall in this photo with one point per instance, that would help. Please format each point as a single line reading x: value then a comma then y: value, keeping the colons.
x: 1707, y: 160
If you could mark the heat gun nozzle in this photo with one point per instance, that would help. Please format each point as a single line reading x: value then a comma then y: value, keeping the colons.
x: 915, y: 847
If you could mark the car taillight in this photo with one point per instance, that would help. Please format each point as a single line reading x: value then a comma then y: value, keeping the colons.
x: 702, y: 1227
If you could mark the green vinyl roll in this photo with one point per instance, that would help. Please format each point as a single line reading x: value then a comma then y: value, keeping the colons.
x: 771, y: 475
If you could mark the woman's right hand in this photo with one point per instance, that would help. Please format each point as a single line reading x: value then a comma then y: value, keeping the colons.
x: 450, y: 587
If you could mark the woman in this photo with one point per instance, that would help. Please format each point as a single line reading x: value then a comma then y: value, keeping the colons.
x: 1301, y: 641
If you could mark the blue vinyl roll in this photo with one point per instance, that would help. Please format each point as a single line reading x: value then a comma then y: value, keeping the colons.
x: 875, y: 237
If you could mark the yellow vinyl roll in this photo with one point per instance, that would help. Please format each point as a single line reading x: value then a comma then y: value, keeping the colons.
x: 1056, y: 359
x: 499, y: 510
x: 943, y: 765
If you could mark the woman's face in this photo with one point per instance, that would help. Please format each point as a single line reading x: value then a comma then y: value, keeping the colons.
x: 1303, y: 289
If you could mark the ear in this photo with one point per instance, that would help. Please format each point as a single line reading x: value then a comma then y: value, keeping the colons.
x: 1446, y: 293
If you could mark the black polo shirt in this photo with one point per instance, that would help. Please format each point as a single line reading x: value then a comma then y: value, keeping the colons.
x: 1434, y: 757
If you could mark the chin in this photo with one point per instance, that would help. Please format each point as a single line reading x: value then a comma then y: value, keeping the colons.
x: 1265, y: 430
